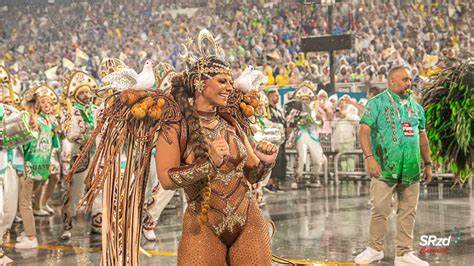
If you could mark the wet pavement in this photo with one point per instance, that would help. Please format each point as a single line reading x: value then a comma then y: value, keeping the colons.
x: 328, y: 224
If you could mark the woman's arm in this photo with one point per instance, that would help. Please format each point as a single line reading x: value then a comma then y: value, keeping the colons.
x: 168, y: 162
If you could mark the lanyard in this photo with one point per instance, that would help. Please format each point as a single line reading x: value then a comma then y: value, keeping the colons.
x: 396, y: 108
x: 260, y: 121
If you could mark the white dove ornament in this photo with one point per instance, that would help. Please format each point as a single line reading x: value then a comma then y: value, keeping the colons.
x: 258, y: 78
x: 146, y: 78
x: 244, y: 81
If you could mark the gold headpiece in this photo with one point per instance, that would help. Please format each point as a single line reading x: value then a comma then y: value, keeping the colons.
x: 17, y: 99
x: 80, y: 80
x: 305, y: 89
x: 6, y: 83
x: 110, y: 65
x: 200, y: 66
x: 46, y: 91
x: 4, y: 92
x: 164, y: 73
x: 29, y: 95
x: 67, y: 75
x: 4, y: 75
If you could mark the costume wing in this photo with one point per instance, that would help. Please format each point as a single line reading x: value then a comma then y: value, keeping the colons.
x: 120, y: 80
x: 129, y: 124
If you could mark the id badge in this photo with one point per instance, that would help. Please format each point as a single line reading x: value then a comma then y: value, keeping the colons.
x: 407, y: 130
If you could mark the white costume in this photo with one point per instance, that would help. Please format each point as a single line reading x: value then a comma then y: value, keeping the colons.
x: 307, y: 139
x: 77, y: 127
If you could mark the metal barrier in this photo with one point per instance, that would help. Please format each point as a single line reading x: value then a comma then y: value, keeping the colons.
x: 358, y: 165
x: 361, y: 170
x: 292, y: 153
x: 332, y: 165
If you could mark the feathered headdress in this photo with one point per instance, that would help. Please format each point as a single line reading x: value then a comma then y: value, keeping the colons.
x: 201, y: 65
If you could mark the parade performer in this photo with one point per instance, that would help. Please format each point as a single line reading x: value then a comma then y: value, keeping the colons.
x: 204, y: 136
x: 265, y: 129
x: 214, y: 166
x: 48, y: 101
x: 324, y: 108
x: 77, y: 127
x: 11, y: 159
x: 37, y: 157
x: 345, y: 123
x: 307, y: 137
x: 277, y: 116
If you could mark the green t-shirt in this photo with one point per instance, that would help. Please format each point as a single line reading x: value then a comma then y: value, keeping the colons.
x: 38, y: 152
x: 395, y: 139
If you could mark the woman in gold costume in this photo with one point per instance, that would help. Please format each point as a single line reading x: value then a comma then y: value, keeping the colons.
x: 213, y: 160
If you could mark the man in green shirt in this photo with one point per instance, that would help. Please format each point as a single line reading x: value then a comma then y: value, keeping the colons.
x: 392, y: 137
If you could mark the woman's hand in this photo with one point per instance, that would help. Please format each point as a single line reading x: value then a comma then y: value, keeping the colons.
x: 266, y: 152
x: 219, y: 150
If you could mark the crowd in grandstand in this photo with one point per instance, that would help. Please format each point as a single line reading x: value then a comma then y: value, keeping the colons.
x: 34, y: 39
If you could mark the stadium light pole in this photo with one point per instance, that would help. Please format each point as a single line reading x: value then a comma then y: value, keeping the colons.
x: 332, y: 71
x: 323, y: 43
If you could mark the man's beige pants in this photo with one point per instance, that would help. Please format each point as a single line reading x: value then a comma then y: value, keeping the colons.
x: 381, y: 198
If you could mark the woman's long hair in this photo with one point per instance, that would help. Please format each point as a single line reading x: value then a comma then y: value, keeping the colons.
x: 183, y: 90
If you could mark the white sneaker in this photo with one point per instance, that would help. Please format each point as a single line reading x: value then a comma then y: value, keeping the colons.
x: 149, y: 235
x: 369, y: 255
x: 48, y: 209
x: 294, y: 185
x: 40, y: 212
x: 66, y: 235
x: 26, y: 243
x: 4, y: 259
x: 410, y: 259
x: 20, y: 237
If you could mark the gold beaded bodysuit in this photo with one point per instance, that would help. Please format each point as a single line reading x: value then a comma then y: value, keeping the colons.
x: 236, y: 231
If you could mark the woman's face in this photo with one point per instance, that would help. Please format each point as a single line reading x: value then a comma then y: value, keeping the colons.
x: 45, y: 105
x: 217, y: 90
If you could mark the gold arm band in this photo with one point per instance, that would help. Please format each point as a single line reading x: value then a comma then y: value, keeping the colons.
x: 187, y: 175
x: 257, y: 173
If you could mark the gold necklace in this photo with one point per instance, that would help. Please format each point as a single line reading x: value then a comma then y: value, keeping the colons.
x: 207, y: 117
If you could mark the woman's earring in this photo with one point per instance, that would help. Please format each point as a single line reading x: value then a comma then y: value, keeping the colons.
x: 199, y: 85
